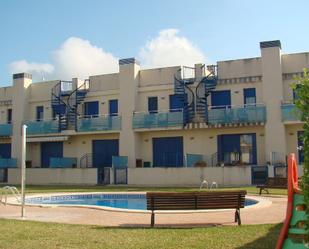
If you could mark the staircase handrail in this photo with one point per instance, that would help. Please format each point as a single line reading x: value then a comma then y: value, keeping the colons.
x: 5, y: 191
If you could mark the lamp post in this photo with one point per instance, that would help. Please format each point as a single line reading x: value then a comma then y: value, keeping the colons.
x: 23, y: 169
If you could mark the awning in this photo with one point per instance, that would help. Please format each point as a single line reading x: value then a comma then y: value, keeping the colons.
x: 47, y: 139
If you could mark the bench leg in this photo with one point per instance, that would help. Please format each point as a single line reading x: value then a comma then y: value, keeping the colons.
x: 152, y: 219
x: 237, y: 217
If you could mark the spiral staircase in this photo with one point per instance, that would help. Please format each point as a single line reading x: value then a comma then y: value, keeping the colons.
x: 192, y: 92
x: 65, y: 99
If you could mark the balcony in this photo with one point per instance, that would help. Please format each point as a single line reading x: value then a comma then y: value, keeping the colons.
x: 237, y: 115
x: 5, y: 130
x: 146, y: 120
x: 42, y: 127
x: 101, y: 123
x: 8, y: 163
x: 62, y: 162
x: 290, y: 113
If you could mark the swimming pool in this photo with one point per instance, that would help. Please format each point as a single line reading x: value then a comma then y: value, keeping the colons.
x: 123, y: 201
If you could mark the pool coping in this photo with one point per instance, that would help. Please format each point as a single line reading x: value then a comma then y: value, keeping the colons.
x: 262, y: 203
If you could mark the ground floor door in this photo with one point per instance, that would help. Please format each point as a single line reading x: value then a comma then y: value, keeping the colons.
x: 48, y: 150
x: 5, y: 150
x: 237, y: 149
x: 167, y: 152
x: 103, y: 151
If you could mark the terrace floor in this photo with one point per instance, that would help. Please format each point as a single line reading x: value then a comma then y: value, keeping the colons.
x: 272, y: 212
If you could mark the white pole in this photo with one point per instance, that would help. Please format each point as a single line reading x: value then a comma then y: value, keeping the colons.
x: 23, y: 169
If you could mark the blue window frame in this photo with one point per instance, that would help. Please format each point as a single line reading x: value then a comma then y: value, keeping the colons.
x: 5, y: 150
x: 176, y: 104
x: 39, y: 113
x: 301, y: 153
x: 59, y: 110
x: 235, y: 149
x: 167, y: 152
x: 152, y: 104
x: 113, y: 107
x: 9, y: 116
x: 91, y: 109
x: 221, y: 99
x: 249, y: 96
x: 48, y: 150
x: 103, y: 151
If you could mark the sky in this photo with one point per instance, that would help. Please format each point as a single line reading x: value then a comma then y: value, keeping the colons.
x: 61, y: 39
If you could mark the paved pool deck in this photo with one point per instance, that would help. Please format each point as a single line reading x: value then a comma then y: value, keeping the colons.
x: 270, y: 212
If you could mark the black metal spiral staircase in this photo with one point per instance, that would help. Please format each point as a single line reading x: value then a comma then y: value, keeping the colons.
x: 195, y: 105
x: 202, y: 91
x: 185, y: 95
x: 65, y: 103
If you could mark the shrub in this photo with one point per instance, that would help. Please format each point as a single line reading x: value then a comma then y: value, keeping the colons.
x: 301, y: 88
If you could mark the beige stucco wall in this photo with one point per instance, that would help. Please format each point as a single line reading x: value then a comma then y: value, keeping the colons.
x: 224, y: 176
x: 239, y: 68
x: 157, y: 76
x: 201, y: 141
x: 54, y: 176
x: 292, y: 63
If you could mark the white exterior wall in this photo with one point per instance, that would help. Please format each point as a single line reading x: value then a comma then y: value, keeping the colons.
x: 224, y: 176
x: 54, y: 176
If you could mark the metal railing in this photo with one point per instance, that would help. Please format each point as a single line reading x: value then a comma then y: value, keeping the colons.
x: 161, y: 119
x: 289, y: 112
x: 8, y: 163
x: 42, y: 127
x: 252, y: 113
x: 99, y: 123
x: 5, y: 129
x: 5, y: 191
x: 63, y: 162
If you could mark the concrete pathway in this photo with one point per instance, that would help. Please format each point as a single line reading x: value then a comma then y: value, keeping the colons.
x: 273, y: 212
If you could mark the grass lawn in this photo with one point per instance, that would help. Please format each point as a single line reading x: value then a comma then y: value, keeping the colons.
x: 61, y: 188
x: 37, y: 235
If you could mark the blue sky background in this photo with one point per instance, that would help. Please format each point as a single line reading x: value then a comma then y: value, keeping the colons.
x: 31, y: 30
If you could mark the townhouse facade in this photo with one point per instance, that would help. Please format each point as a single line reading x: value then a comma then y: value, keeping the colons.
x: 235, y: 114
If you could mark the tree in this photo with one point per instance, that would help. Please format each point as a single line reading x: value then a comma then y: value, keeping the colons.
x: 301, y: 88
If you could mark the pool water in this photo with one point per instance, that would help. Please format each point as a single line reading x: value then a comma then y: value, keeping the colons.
x: 125, y: 201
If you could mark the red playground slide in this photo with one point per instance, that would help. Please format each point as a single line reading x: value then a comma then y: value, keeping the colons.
x: 294, y: 230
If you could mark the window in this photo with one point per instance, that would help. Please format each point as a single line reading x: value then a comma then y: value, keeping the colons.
x: 9, y: 116
x: 249, y: 96
x: 295, y: 96
x: 221, y: 99
x: 176, y: 103
x: 91, y: 109
x: 152, y: 104
x: 39, y: 113
x: 113, y: 107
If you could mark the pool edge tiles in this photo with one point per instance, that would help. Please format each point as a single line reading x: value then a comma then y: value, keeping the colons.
x: 261, y: 202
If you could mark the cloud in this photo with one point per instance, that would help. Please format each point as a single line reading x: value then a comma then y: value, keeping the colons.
x: 170, y: 49
x: 74, y: 58
x: 79, y: 58
x: 37, y: 69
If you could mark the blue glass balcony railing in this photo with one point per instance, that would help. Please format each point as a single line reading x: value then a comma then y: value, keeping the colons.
x: 8, y: 163
x: 42, y: 127
x: 157, y: 120
x: 102, y: 123
x: 237, y: 114
x: 5, y: 129
x: 290, y: 113
x: 62, y: 162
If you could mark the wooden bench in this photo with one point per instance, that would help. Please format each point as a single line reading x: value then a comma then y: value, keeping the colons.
x: 196, y: 201
x: 273, y: 182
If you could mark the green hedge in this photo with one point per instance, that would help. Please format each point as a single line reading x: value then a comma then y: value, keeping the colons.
x: 301, y: 88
